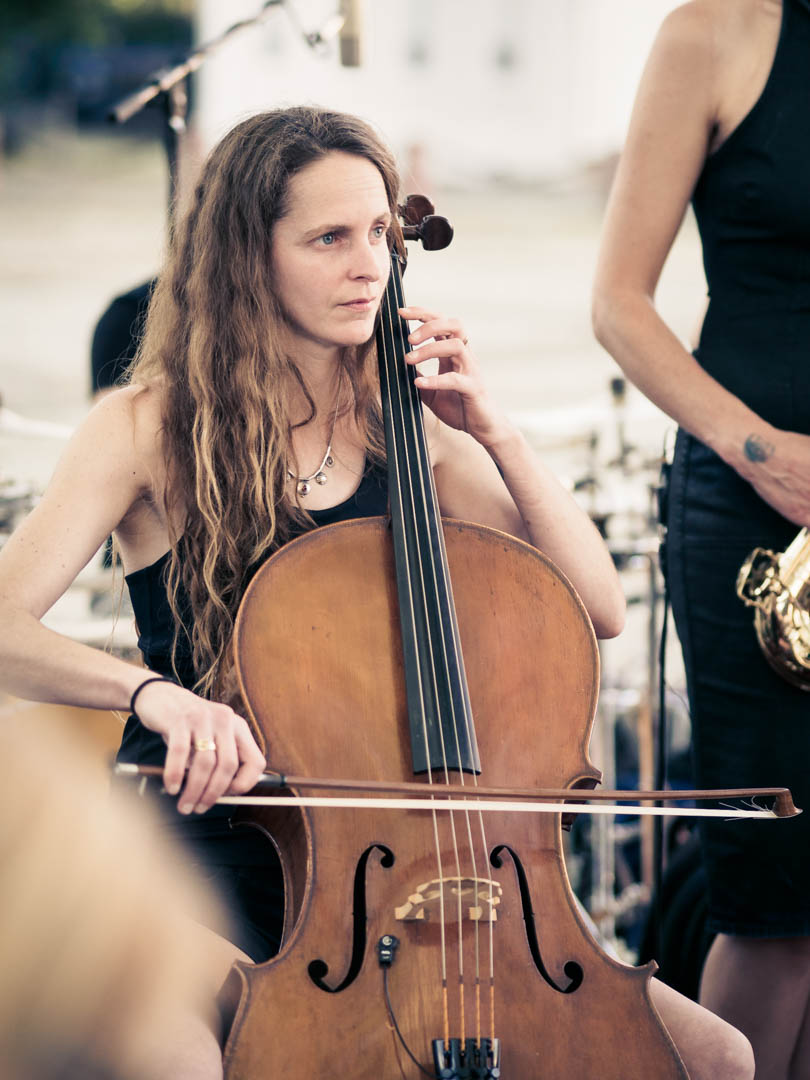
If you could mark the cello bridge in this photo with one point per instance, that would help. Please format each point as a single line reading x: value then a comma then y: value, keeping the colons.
x: 475, y: 898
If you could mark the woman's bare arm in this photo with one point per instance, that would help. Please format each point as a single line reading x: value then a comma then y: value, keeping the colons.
x: 96, y: 482
x: 677, y: 111
x: 102, y: 483
x: 527, y: 500
x: 472, y: 440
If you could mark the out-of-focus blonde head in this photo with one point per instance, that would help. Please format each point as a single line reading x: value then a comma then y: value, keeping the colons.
x: 98, y: 951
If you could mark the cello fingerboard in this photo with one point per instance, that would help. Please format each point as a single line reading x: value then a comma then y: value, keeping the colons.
x: 440, y: 716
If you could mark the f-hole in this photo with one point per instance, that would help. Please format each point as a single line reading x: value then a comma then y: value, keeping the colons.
x: 319, y: 969
x: 572, y: 969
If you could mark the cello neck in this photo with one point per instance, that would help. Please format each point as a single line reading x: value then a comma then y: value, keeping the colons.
x: 441, y: 727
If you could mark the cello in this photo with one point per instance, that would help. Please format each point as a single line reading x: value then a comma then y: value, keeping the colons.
x: 427, y: 941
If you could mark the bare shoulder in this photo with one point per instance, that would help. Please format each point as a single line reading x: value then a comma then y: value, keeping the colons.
x: 434, y: 433
x: 139, y: 406
x: 691, y: 30
x: 718, y: 33
x: 130, y: 422
x: 677, y: 96
x: 682, y: 102
x: 105, y: 481
x: 147, y: 404
x: 679, y: 90
x: 744, y: 37
x: 742, y: 28
x: 736, y: 20
x: 446, y: 443
x: 467, y: 479
x: 116, y: 452
x: 696, y: 18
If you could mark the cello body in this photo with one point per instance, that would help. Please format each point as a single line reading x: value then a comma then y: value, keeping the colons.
x: 318, y: 657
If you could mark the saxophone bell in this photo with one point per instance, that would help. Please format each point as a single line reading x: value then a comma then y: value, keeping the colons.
x: 778, y: 587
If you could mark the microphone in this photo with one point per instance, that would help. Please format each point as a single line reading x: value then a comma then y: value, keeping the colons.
x: 350, y: 34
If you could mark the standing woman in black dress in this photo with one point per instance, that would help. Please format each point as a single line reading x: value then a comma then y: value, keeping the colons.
x: 722, y: 118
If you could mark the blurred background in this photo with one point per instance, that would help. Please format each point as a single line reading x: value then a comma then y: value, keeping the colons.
x: 509, y: 114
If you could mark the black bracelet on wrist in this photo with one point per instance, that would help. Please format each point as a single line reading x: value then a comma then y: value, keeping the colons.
x: 140, y: 686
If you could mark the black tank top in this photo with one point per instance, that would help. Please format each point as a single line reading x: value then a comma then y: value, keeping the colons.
x: 752, y: 204
x: 153, y: 616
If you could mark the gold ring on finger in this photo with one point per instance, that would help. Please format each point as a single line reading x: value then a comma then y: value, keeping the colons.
x: 204, y: 745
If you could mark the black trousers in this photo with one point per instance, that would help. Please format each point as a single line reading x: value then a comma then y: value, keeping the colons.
x: 750, y: 728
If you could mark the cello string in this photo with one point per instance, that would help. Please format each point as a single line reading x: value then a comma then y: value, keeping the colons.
x: 491, y: 935
x: 469, y: 723
x: 400, y: 473
x: 403, y: 491
x: 468, y: 719
x: 406, y: 407
x: 409, y: 402
x: 405, y: 404
x: 430, y: 499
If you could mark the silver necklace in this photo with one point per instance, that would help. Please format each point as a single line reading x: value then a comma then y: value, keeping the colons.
x: 303, y: 484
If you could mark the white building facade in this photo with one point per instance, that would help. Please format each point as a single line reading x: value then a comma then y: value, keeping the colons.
x: 468, y: 90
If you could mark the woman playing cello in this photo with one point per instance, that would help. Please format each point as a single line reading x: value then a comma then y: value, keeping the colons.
x: 253, y: 415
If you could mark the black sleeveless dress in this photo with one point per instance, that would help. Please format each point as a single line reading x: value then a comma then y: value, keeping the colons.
x: 238, y: 861
x: 750, y: 727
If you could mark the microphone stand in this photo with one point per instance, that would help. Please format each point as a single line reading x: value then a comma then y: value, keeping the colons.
x: 170, y: 84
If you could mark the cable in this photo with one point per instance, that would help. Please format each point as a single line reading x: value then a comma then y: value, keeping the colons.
x: 400, y: 1036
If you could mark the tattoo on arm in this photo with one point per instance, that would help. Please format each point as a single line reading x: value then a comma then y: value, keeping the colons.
x: 757, y: 449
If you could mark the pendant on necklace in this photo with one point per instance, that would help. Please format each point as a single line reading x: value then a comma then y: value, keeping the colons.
x: 304, y: 483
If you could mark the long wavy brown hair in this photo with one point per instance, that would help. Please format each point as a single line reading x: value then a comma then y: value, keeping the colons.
x: 212, y: 345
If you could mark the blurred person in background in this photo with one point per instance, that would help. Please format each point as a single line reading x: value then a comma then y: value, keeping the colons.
x: 722, y: 117
x: 100, y: 959
x: 116, y: 337
x: 258, y: 353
